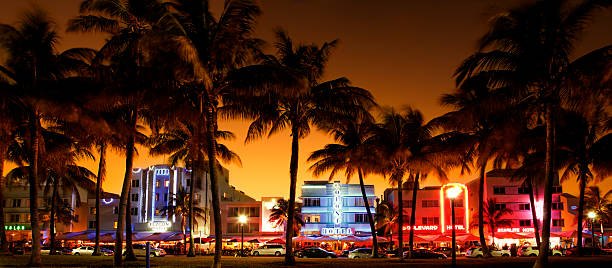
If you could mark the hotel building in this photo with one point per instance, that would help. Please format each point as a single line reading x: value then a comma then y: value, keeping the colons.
x: 335, y: 208
x: 433, y: 211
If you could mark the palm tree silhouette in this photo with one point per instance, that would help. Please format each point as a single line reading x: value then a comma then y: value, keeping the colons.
x: 280, y: 212
x: 352, y: 154
x: 529, y: 48
x: 493, y: 216
x: 286, y: 92
x: 131, y: 26
x: 185, y: 211
x: 210, y: 47
x: 600, y: 204
x: 185, y: 144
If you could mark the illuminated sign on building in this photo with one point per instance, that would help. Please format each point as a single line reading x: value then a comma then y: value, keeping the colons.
x: 337, y: 203
x: 162, y: 172
x: 421, y: 227
x: 337, y: 231
x: 107, y: 201
x: 14, y: 227
x: 159, y: 226
x: 515, y: 230
x: 465, y: 206
x: 457, y: 227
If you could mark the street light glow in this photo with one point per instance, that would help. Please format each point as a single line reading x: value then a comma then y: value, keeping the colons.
x: 453, y: 192
x: 592, y: 215
x: 242, y: 219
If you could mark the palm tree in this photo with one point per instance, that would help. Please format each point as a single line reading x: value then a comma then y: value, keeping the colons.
x: 482, y: 127
x: 292, y: 96
x: 280, y: 213
x: 601, y: 205
x: 585, y: 149
x: 184, y: 209
x: 34, y: 69
x: 406, y: 146
x: 494, y: 217
x: 386, y: 218
x: 132, y: 26
x: 212, y: 47
x: 185, y: 143
x: 352, y: 154
x: 529, y: 48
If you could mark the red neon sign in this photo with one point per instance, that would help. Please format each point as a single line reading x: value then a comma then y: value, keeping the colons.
x: 515, y: 230
x: 421, y: 227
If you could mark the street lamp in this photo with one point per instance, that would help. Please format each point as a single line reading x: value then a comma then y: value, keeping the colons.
x: 242, y: 219
x: 592, y: 215
x: 452, y: 193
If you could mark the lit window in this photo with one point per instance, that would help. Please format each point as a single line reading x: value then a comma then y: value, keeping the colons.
x: 115, y: 225
x: 156, y: 197
x: 156, y: 183
x: 167, y: 183
x: 92, y: 211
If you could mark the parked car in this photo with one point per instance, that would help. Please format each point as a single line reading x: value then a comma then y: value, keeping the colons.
x: 446, y: 251
x: 141, y: 250
x: 425, y: 254
x: 345, y: 253
x: 585, y: 251
x: 45, y: 250
x: 88, y: 250
x: 315, y: 252
x: 364, y: 253
x: 533, y: 251
x: 476, y: 252
x: 276, y: 250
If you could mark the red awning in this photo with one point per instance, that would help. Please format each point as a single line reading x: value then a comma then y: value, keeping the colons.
x: 276, y: 241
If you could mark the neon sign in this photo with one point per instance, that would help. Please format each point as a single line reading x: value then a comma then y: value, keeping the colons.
x: 159, y: 226
x: 457, y: 227
x: 466, y: 205
x: 14, y: 227
x: 107, y: 201
x: 162, y: 172
x: 515, y: 230
x: 337, y: 231
x: 337, y: 203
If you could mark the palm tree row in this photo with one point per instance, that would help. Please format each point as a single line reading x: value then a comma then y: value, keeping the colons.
x: 178, y: 56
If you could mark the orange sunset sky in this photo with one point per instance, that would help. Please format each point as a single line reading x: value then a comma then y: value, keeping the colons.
x: 403, y: 51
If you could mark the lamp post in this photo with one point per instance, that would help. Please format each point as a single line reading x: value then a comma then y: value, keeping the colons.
x: 452, y: 193
x: 242, y: 219
x: 592, y: 215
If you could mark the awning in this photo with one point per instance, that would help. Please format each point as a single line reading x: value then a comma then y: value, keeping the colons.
x: 510, y: 236
x: 276, y: 241
x: 467, y: 237
x: 443, y: 238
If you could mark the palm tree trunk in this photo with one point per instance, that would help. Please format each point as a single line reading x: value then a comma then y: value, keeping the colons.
x: 582, y: 180
x: 34, y: 219
x: 129, y: 161
x: 52, y: 217
x: 370, y: 218
x: 3, y: 240
x: 542, y: 260
x: 129, y: 249
x: 184, y: 234
x: 293, y: 166
x: 415, y: 189
x: 194, y: 176
x: 400, y: 230
x: 534, y: 215
x: 101, y: 175
x: 211, y: 118
x: 481, y: 185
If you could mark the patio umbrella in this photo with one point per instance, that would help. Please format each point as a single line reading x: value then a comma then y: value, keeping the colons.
x: 328, y: 238
x: 277, y: 241
x: 254, y: 241
x: 370, y: 239
x: 78, y: 236
x: 509, y: 236
x: 467, y: 237
x: 106, y: 238
x: 442, y: 238
x: 303, y: 238
x: 174, y: 237
x: 420, y: 239
x: 152, y: 237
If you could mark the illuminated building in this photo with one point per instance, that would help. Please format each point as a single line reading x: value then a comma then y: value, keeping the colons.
x: 433, y: 214
x: 17, y: 209
x: 335, y: 208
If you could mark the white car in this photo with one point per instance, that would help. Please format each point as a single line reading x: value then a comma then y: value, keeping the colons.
x: 84, y: 250
x: 363, y: 253
x: 477, y: 253
x: 141, y: 250
x: 276, y: 250
x: 533, y: 251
